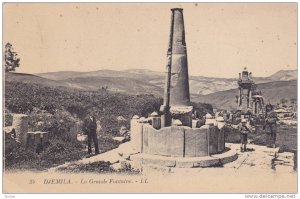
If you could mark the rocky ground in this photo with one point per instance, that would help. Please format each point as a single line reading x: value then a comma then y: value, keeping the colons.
x: 259, y: 170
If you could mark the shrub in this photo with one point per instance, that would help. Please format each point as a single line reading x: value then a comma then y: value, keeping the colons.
x: 20, y: 158
x: 60, y: 111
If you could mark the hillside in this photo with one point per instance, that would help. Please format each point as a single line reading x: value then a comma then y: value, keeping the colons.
x: 284, y: 75
x: 272, y: 91
x: 117, y: 84
x: 140, y: 81
x: 32, y: 98
x: 29, y: 78
x: 125, y: 81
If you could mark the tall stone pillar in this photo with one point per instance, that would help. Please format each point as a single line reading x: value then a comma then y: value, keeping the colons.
x: 240, y: 97
x: 250, y: 99
x: 177, y: 93
x: 179, y: 85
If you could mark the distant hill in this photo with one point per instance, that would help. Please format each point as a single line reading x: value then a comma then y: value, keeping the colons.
x: 272, y: 91
x: 284, y: 75
x: 218, y: 91
x: 29, y: 78
x: 117, y: 84
x: 59, y: 75
x: 125, y: 81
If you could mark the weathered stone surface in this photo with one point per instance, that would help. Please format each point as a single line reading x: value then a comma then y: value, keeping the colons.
x: 20, y: 124
x: 196, y: 142
x: 119, y: 139
x: 145, y: 142
x: 230, y: 157
x: 161, y: 162
x: 10, y: 138
x: 195, y: 123
x: 213, y: 140
x: 211, y: 122
x: 176, y: 141
x: 8, y: 130
x: 180, y: 110
x: 184, y: 164
x: 156, y: 122
x: 221, y: 140
x: 182, y: 113
x: 155, y: 141
x: 167, y: 141
x: 176, y: 123
x: 136, y: 133
x: 207, y: 162
x: 36, y: 140
x: 179, y: 85
x: 39, y: 134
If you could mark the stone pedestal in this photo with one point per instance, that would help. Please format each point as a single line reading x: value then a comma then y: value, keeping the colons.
x: 20, y: 124
x: 196, y: 123
x: 182, y: 113
x: 155, y: 120
x: 136, y: 134
x: 36, y: 140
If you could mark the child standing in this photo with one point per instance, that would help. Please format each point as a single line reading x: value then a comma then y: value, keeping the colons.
x: 244, y: 130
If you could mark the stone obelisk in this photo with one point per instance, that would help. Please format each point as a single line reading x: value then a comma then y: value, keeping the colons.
x: 179, y: 87
x: 176, y: 93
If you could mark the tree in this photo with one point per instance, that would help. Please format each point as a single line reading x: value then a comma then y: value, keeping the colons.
x: 11, y: 58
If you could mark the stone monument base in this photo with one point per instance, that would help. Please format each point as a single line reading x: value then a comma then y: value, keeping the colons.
x: 186, y: 162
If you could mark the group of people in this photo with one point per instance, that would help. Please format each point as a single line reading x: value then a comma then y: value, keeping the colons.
x: 89, y: 128
x: 270, y: 127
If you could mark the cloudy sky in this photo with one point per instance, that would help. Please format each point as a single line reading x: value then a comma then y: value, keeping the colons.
x: 221, y: 38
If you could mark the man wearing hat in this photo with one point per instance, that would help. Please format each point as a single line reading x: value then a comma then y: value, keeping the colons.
x: 244, y: 130
x: 271, y: 125
x: 89, y: 127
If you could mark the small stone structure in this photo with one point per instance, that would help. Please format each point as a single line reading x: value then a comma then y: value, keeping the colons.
x: 18, y: 134
x: 250, y: 99
x: 37, y: 139
x: 20, y: 125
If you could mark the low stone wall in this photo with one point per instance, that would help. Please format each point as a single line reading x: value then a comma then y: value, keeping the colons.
x: 18, y: 134
x: 177, y: 141
x: 37, y: 139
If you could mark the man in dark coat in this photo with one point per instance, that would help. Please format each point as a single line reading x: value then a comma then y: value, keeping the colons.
x: 89, y: 127
x: 271, y: 125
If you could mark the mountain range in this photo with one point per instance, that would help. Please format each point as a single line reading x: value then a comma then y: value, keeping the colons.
x: 220, y: 92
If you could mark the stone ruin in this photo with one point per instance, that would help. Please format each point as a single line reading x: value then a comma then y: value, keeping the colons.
x: 18, y: 134
x: 250, y: 99
x: 173, y: 138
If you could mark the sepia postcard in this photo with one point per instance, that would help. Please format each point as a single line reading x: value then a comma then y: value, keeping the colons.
x: 150, y: 98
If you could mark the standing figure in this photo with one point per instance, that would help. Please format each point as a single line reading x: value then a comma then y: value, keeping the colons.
x: 244, y: 130
x: 90, y: 127
x: 271, y: 125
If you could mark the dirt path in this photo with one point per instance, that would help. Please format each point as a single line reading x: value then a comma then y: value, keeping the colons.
x: 257, y: 158
x: 255, y: 171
